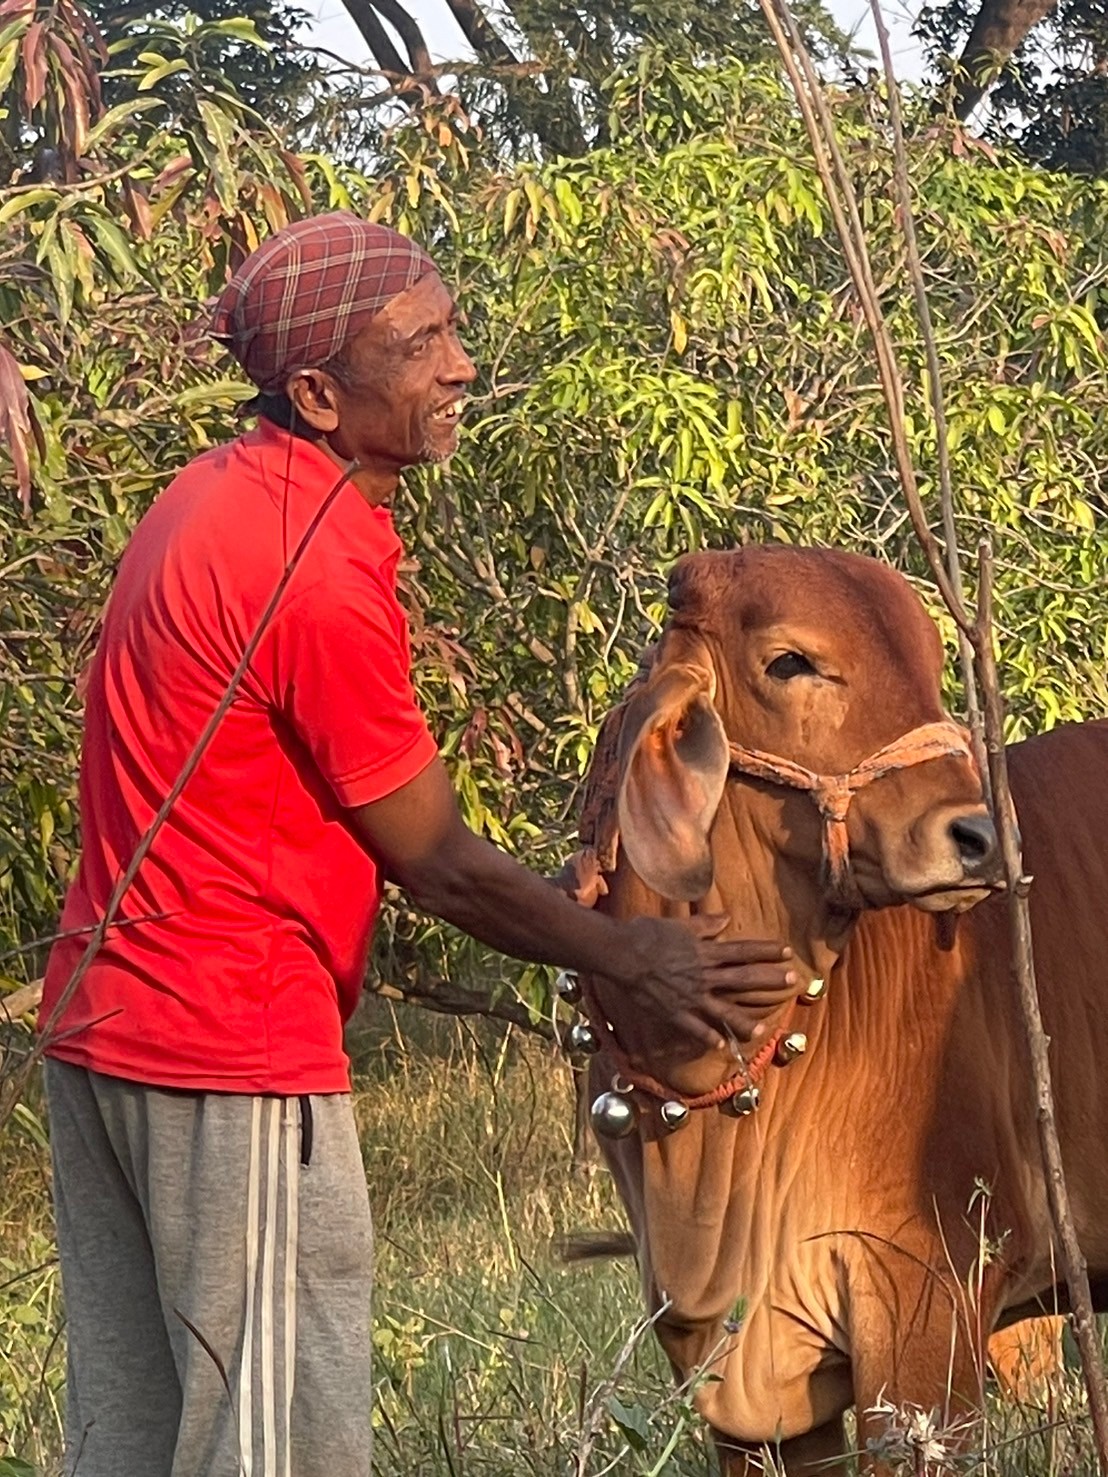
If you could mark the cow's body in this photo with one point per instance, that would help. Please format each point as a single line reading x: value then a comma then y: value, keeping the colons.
x: 884, y: 1209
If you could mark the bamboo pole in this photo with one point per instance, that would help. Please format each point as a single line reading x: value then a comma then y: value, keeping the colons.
x: 935, y: 388
x: 976, y: 634
x: 12, y: 1089
x: 1019, y: 883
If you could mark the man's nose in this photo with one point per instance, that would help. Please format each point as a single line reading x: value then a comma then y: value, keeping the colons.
x: 461, y: 369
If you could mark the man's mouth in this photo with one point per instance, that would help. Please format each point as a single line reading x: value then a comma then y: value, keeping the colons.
x: 449, y: 414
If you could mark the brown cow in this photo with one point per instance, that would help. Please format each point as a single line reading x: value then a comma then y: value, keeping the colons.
x: 860, y: 1233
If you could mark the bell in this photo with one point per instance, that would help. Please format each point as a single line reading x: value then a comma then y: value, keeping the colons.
x: 813, y: 992
x: 612, y: 1116
x: 790, y: 1047
x: 743, y: 1103
x: 567, y: 987
x: 580, y: 1040
x: 674, y: 1114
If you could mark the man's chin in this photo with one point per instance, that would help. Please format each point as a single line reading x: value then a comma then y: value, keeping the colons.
x: 439, y: 445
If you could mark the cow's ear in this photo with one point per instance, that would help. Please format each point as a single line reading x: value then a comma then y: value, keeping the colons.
x: 673, y: 766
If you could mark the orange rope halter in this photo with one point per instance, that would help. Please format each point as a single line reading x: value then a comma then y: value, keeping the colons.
x: 833, y: 793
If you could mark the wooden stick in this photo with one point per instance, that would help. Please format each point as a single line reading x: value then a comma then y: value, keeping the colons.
x: 935, y: 385
x: 839, y: 189
x: 1023, y: 968
x: 12, y: 1089
x: 20, y: 1002
x: 977, y: 635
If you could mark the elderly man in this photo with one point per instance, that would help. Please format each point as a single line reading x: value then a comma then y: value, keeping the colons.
x: 212, y: 1213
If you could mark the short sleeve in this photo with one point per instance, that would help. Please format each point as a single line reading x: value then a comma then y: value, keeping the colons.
x: 341, y: 678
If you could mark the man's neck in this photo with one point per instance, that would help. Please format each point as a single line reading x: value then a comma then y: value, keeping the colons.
x: 377, y: 484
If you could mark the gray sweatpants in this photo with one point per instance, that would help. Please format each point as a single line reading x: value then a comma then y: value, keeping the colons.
x: 216, y: 1256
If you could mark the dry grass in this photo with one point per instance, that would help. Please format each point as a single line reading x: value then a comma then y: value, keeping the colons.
x: 491, y: 1358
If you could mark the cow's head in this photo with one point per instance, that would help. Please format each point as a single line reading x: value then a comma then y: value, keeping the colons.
x: 821, y: 659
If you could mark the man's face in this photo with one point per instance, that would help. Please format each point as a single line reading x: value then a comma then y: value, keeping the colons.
x: 400, y: 403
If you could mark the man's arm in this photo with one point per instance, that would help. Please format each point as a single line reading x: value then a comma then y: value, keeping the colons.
x: 679, y: 971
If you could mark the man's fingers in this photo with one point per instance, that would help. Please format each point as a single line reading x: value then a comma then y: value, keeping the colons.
x: 741, y: 979
x: 745, y: 951
x: 699, y: 1030
x: 745, y: 1025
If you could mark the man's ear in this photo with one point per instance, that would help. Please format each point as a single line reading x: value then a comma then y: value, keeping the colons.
x: 312, y: 394
x: 673, y: 764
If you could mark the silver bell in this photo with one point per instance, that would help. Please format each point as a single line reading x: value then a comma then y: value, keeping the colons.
x: 813, y: 992
x: 790, y: 1047
x: 674, y: 1114
x: 743, y: 1103
x: 580, y: 1040
x: 612, y: 1116
x: 567, y: 987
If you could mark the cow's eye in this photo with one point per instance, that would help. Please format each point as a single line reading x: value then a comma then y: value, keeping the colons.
x: 790, y: 664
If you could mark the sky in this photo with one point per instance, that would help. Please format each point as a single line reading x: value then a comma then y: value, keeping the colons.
x: 333, y: 29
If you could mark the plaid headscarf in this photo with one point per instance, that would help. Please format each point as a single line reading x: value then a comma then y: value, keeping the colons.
x: 308, y: 289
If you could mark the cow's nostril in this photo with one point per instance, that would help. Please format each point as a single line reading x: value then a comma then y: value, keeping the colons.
x: 976, y: 840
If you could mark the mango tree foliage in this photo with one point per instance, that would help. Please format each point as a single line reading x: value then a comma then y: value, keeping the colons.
x: 671, y: 358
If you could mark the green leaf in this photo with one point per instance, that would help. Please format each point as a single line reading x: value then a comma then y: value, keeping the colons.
x: 114, y: 245
x: 26, y: 200
x: 13, y: 1466
x: 120, y: 113
x: 161, y: 71
x: 221, y: 135
x: 239, y: 27
x: 213, y: 394
x: 632, y: 1422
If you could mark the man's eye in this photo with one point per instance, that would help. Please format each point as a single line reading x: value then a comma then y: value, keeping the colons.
x: 790, y: 664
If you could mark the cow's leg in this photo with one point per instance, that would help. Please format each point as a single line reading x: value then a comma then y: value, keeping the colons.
x: 1027, y: 1355
x: 916, y: 1347
x: 818, y: 1452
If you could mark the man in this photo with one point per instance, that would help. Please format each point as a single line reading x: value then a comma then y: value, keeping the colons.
x: 212, y: 1214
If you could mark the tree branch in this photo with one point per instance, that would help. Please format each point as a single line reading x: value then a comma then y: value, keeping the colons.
x: 980, y: 635
x: 368, y: 22
x: 486, y: 41
x: 1000, y: 28
x: 934, y: 375
x: 446, y: 998
x: 408, y: 29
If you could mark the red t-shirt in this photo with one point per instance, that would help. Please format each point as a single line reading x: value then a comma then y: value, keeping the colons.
x: 251, y: 916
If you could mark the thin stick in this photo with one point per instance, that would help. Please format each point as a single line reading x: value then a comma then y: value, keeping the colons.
x: 1023, y: 967
x: 978, y: 635
x: 842, y: 201
x: 934, y: 375
x: 13, y: 1088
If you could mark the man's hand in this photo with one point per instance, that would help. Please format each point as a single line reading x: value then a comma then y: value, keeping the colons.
x: 581, y: 879
x: 711, y: 990
x: 680, y: 973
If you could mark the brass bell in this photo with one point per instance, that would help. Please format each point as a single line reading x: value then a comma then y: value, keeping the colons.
x: 790, y: 1047
x: 612, y: 1116
x: 743, y: 1103
x: 580, y: 1040
x: 813, y: 992
x: 567, y: 987
x: 674, y: 1114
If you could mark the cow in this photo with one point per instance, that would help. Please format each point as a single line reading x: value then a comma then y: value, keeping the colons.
x: 844, y: 1218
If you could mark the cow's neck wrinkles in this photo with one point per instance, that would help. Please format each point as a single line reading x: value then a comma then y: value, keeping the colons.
x: 768, y: 892
x: 767, y: 896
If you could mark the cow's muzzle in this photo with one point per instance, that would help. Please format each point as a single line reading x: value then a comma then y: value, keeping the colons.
x: 974, y: 835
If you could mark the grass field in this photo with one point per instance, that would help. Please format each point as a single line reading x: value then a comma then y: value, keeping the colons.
x: 492, y: 1359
